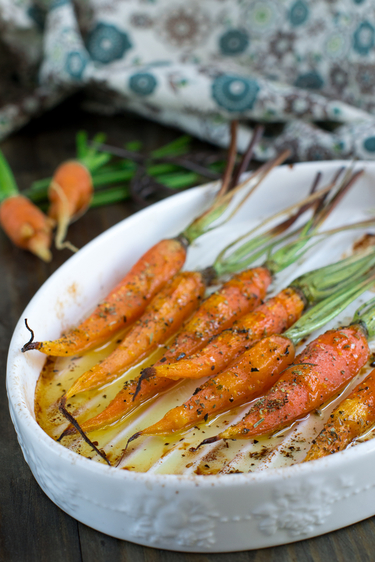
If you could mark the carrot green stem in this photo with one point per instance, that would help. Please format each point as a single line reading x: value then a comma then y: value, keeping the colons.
x: 365, y: 315
x: 8, y: 186
x: 318, y: 284
x: 110, y: 196
x: 88, y: 155
x: 203, y: 223
x: 330, y: 307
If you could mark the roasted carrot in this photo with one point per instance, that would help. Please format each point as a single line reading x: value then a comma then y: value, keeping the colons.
x: 349, y: 420
x: 124, y: 304
x: 25, y: 224
x: 325, y: 366
x: 281, y: 311
x: 162, y: 317
x: 128, y: 300
x: 273, y: 317
x: 322, y: 369
x: 253, y: 372
x: 241, y: 293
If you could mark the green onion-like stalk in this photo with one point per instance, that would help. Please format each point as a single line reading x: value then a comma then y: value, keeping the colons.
x: 329, y: 308
x: 8, y: 186
x: 320, y: 283
x: 365, y: 315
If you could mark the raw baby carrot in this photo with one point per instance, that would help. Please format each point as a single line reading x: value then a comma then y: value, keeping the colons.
x: 349, y: 420
x: 70, y: 194
x: 253, y: 372
x: 325, y: 366
x: 162, y: 317
x: 23, y: 222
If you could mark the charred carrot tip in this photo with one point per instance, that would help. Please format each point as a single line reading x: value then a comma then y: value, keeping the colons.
x: 64, y: 434
x: 205, y: 442
x: 145, y: 374
x: 132, y: 438
x: 30, y: 344
x: 74, y: 422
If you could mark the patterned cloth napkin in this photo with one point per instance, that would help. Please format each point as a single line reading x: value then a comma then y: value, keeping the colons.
x: 307, y: 66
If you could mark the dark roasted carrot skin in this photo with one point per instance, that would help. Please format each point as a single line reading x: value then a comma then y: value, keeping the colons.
x: 349, y: 420
x: 273, y: 317
x: 323, y: 368
x: 124, y: 304
x: 254, y: 372
x: 162, y: 318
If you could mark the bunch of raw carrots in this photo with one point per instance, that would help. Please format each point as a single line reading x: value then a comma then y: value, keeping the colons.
x: 232, y: 337
x: 98, y: 175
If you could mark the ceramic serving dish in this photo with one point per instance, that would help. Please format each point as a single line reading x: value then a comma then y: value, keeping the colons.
x: 273, y: 505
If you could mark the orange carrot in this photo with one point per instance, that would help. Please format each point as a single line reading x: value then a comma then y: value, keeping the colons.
x: 281, y: 311
x: 124, y: 304
x: 349, y: 420
x: 252, y: 373
x: 26, y: 226
x: 323, y: 368
x: 163, y: 316
x: 238, y: 295
x: 70, y: 193
x: 151, y: 272
x: 273, y: 317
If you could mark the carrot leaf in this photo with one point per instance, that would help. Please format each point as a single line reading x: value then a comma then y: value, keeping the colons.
x: 8, y: 186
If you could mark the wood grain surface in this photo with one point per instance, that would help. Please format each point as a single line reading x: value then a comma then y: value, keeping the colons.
x: 32, y: 528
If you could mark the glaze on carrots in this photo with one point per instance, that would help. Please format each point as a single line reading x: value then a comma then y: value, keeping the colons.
x: 124, y: 304
x: 279, y: 312
x: 238, y: 295
x: 253, y: 372
x: 273, y: 317
x: 321, y: 370
x: 162, y: 317
x: 349, y: 420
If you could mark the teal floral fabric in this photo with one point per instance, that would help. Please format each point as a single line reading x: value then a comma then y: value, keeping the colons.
x: 307, y: 66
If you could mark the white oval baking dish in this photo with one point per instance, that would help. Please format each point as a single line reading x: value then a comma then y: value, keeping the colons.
x: 187, y: 512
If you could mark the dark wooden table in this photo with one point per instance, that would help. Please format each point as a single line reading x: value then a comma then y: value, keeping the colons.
x: 32, y: 528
